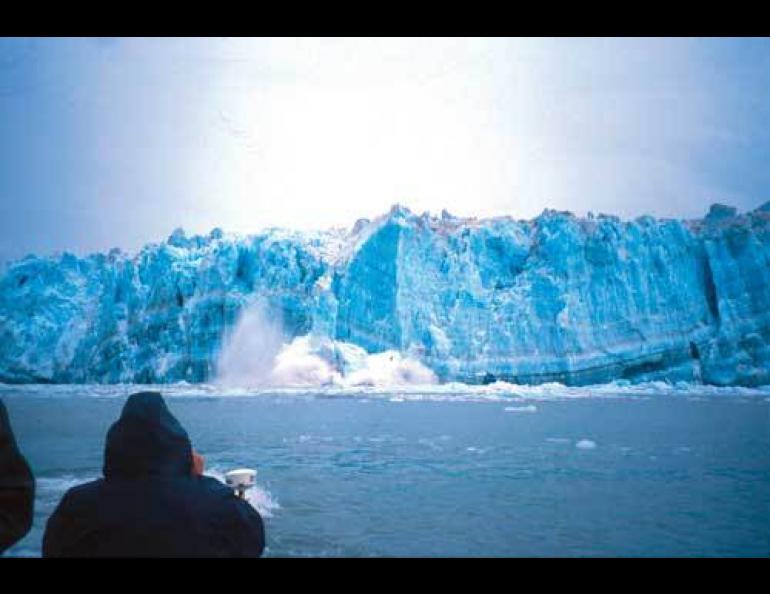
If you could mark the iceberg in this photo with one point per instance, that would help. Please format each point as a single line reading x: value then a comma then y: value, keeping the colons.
x: 560, y: 298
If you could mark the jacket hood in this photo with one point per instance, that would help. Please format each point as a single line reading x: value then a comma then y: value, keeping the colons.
x: 147, y: 440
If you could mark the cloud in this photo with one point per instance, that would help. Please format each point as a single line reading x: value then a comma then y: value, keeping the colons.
x: 152, y: 134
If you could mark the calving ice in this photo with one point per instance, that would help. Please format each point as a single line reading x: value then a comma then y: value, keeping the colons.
x: 417, y: 298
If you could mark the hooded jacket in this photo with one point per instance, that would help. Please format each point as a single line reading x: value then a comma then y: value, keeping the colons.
x: 149, y: 504
x: 17, y: 487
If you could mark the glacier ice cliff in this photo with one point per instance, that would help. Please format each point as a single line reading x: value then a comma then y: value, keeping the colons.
x: 558, y: 298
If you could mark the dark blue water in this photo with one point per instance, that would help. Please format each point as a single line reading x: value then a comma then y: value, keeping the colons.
x: 667, y: 475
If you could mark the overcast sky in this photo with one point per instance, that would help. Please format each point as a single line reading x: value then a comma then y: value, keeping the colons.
x: 115, y: 142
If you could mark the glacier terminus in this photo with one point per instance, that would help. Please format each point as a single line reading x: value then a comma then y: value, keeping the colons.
x: 560, y: 298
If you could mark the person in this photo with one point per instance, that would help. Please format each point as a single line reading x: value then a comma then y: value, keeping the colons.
x: 17, y: 487
x: 153, y: 500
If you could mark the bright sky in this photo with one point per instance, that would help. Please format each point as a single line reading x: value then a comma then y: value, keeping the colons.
x: 115, y: 142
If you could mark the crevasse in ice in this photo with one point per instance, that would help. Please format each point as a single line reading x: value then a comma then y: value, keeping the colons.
x: 558, y: 298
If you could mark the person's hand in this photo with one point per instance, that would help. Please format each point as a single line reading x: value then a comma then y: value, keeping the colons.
x: 198, y: 464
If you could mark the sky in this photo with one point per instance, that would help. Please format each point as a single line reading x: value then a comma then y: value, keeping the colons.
x: 109, y: 142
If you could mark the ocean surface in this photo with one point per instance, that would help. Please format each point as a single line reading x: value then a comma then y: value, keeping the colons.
x: 651, y: 470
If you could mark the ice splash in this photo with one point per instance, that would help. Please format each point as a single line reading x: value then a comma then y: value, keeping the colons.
x: 249, y: 350
x: 389, y: 368
x: 257, y: 354
x: 314, y: 361
x: 299, y: 364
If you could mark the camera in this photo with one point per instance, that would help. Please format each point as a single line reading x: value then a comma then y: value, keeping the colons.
x: 241, y: 480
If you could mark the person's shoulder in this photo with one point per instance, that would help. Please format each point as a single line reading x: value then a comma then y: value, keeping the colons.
x: 213, y: 487
x: 220, y: 496
x: 220, y: 492
x: 87, y: 487
x: 83, y: 494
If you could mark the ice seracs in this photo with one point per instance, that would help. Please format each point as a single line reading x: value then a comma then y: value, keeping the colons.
x: 555, y: 299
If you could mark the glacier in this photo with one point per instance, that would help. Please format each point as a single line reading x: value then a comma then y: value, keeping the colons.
x: 559, y: 298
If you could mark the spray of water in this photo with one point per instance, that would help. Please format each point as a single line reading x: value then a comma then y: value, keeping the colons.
x: 249, y: 350
x: 298, y: 365
x: 257, y: 354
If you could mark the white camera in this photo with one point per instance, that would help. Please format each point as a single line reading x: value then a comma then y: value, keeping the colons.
x: 241, y: 480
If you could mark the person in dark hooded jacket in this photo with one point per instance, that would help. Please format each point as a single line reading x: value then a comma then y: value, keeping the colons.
x: 151, y: 503
x: 17, y: 487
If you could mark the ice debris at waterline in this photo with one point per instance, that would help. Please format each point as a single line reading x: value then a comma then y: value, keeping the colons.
x: 555, y: 299
x: 254, y: 355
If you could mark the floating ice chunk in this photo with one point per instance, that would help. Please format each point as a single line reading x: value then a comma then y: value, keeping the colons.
x: 557, y: 439
x: 530, y: 408
x: 475, y: 450
x: 585, y: 444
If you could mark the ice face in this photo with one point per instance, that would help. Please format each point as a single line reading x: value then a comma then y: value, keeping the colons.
x: 555, y: 299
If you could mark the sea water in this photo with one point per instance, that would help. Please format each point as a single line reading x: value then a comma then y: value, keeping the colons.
x: 653, y: 470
